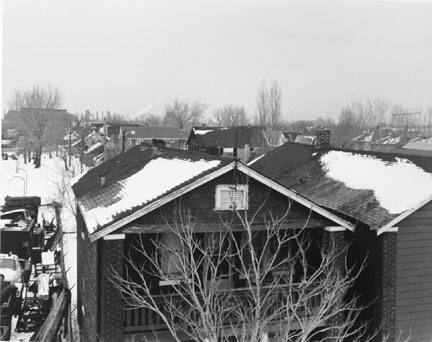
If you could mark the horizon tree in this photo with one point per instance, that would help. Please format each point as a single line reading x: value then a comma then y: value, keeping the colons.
x: 228, y: 116
x: 32, y: 108
x: 182, y: 114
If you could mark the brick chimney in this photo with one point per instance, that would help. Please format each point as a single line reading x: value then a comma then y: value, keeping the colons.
x: 323, y: 137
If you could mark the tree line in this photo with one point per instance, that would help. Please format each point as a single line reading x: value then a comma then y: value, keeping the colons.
x: 44, y: 126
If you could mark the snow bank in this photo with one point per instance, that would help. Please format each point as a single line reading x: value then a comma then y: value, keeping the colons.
x: 398, y: 186
x: 154, y: 179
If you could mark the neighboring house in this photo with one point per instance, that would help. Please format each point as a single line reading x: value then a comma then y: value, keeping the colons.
x: 290, y: 136
x: 94, y: 154
x: 166, y: 136
x: 90, y: 139
x: 389, y: 196
x: 6, y: 144
x: 419, y: 144
x: 383, y: 139
x: 73, y: 137
x: 132, y: 196
x: 243, y: 142
x: 14, y: 125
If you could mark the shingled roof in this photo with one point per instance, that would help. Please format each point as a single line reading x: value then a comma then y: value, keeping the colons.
x: 373, y: 188
x: 156, y: 132
x: 124, y: 177
x: 144, y: 178
x: 229, y: 137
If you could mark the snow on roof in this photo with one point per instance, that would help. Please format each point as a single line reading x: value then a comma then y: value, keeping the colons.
x: 143, y: 187
x: 255, y: 160
x: 419, y: 144
x: 389, y: 140
x: 305, y: 139
x: 202, y: 131
x: 398, y: 186
x: 93, y: 147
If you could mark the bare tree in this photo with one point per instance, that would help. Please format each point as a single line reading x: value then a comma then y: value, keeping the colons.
x: 229, y: 116
x: 42, y: 97
x: 269, y: 105
x: 181, y: 114
x: 152, y: 120
x: 281, y: 284
x: 34, y: 116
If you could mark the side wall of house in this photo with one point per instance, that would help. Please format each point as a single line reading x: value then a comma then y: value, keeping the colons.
x: 414, y: 275
x: 87, y: 283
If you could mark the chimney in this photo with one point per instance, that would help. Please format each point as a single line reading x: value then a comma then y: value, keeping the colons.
x: 323, y: 137
x: 102, y: 180
x: 246, y: 153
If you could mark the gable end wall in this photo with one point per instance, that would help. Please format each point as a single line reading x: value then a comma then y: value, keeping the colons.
x: 201, y: 203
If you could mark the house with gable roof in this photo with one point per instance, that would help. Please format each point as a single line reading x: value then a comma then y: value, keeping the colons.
x: 389, y: 197
x: 131, y: 197
x: 166, y: 136
x: 244, y: 142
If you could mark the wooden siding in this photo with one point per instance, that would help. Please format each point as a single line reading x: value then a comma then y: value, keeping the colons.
x: 414, y: 275
x: 201, y: 204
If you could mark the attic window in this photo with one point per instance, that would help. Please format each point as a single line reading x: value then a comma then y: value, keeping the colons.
x: 231, y: 197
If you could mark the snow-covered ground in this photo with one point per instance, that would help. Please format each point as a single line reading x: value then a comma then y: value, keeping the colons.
x: 52, y: 183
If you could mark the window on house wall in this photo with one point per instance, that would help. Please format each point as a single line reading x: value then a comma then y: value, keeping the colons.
x: 267, y: 252
x: 170, y: 263
x: 231, y: 197
x: 220, y: 273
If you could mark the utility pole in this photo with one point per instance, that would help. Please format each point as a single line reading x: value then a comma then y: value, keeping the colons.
x: 123, y: 140
x: 70, y: 142
x: 82, y: 148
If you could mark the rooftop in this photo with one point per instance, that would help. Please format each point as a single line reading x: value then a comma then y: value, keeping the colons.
x: 155, y: 132
x: 370, y: 187
x: 228, y: 137
x: 126, y: 175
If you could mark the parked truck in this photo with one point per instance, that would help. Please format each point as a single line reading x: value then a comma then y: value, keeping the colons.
x: 20, y: 235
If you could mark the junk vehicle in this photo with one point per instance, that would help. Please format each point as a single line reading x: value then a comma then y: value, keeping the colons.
x: 19, y: 231
x: 35, y: 298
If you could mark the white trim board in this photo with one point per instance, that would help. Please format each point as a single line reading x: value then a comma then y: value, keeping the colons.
x: 200, y: 181
x: 334, y: 229
x: 115, y: 237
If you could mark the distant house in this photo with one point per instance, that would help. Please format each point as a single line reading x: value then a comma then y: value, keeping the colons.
x: 72, y: 137
x: 384, y: 139
x: 133, y: 195
x: 419, y: 144
x: 94, y: 154
x: 389, y: 196
x: 166, y: 136
x: 290, y: 136
x: 244, y: 142
x: 6, y: 143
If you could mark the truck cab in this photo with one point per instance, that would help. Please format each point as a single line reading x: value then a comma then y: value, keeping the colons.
x: 11, y: 268
x: 16, y: 215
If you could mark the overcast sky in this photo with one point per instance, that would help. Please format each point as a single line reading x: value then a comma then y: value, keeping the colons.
x: 124, y: 56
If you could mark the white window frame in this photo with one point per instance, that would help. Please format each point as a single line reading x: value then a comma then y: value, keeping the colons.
x: 173, y: 278
x: 228, y: 187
